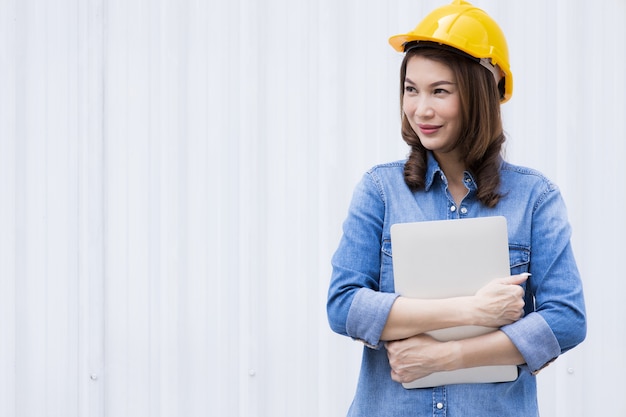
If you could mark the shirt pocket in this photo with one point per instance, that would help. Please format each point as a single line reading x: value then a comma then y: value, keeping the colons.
x: 385, y: 280
x: 519, y: 259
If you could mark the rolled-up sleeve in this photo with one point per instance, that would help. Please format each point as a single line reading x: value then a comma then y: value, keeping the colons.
x: 535, y: 340
x: 368, y: 315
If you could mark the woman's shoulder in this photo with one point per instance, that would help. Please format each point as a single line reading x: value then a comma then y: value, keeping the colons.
x: 387, y: 173
x: 518, y: 174
x: 392, y: 168
x: 388, y: 166
x: 385, y: 177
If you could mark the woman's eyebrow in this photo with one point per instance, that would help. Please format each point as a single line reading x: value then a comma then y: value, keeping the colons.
x: 435, y: 84
x: 442, y: 82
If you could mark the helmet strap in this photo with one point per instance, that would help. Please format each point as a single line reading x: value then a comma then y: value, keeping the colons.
x: 497, y: 74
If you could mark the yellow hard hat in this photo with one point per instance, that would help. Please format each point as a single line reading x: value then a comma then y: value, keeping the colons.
x: 468, y: 29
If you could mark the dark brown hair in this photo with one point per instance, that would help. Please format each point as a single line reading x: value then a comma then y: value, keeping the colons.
x: 481, y: 138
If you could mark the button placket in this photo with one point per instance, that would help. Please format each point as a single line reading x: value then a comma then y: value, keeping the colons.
x: 439, y: 401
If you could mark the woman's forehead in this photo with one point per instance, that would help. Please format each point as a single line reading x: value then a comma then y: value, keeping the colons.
x: 420, y: 68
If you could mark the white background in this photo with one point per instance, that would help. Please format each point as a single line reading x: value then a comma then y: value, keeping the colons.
x: 174, y: 174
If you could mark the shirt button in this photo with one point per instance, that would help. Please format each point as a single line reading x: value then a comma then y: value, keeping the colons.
x: 464, y: 210
x: 439, y: 406
x: 452, y: 208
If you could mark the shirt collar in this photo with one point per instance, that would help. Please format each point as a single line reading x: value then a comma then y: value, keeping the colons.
x: 433, y: 170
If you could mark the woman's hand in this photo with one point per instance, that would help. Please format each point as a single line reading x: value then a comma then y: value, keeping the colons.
x: 417, y: 357
x: 500, y: 302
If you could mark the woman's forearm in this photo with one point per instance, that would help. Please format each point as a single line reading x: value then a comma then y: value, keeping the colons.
x: 409, y: 317
x: 496, y: 304
x: 422, y: 355
x: 490, y: 349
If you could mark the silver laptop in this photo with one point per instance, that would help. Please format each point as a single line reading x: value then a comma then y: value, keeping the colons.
x: 452, y: 258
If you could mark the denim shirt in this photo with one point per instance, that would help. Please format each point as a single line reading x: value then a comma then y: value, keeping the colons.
x: 361, y: 291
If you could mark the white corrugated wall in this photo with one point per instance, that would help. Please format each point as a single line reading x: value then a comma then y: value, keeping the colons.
x: 174, y: 174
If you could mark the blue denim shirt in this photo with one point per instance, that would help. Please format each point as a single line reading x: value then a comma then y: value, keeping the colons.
x: 362, y: 291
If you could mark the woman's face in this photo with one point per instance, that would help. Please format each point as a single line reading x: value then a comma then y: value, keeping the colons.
x: 432, y: 104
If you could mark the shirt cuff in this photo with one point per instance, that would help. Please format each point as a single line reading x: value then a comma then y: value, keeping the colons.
x: 535, y: 340
x: 368, y: 315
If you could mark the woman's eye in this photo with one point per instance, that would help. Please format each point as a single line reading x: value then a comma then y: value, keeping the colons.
x: 409, y: 89
x: 440, y: 91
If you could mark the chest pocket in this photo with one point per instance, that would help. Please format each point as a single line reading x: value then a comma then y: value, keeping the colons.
x: 385, y: 279
x: 519, y: 261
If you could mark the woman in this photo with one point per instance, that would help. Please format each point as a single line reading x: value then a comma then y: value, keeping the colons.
x: 454, y: 76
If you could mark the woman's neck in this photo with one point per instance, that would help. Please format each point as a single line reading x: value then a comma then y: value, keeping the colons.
x: 454, y: 170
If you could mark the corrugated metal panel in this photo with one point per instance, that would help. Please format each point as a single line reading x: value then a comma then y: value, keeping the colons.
x: 175, y: 173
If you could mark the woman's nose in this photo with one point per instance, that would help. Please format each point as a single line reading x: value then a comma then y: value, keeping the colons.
x: 423, y: 108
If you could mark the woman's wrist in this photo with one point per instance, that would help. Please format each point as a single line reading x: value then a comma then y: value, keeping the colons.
x: 469, y: 314
x: 452, y: 356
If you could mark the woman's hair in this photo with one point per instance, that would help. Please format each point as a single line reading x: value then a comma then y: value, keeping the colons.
x: 481, y: 137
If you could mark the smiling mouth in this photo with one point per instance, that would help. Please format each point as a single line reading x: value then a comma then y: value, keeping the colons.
x: 428, y: 129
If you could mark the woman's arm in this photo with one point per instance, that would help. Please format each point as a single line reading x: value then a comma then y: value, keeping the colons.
x: 422, y: 355
x: 497, y: 304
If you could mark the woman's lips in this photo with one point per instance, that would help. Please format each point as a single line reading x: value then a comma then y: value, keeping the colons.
x: 428, y: 129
